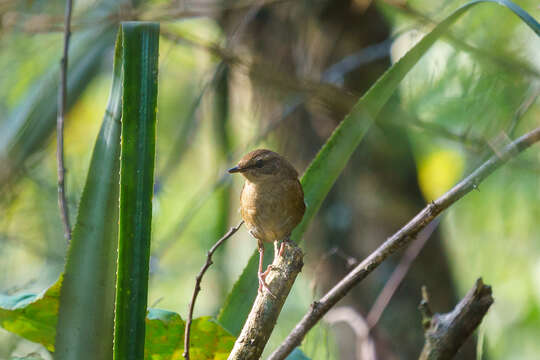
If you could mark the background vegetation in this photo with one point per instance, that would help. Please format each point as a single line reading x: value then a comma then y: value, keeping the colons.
x: 234, y: 76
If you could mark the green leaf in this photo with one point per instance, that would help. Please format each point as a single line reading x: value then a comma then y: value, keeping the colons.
x: 165, y: 338
x: 209, y: 340
x: 140, y: 42
x: 336, y: 152
x: 34, y: 318
x: 86, y: 315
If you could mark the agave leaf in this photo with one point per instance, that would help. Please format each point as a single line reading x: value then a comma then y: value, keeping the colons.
x: 86, y: 315
x: 140, y: 42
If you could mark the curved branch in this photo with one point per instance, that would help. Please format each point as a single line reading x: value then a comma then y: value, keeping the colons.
x: 399, y: 240
x: 197, y: 288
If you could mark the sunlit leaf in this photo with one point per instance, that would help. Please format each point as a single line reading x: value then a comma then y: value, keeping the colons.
x: 32, y: 316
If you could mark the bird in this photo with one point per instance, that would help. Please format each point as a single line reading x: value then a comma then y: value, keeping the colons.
x: 271, y: 202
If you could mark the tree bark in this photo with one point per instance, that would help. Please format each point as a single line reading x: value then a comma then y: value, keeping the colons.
x: 265, y: 311
x: 446, y: 333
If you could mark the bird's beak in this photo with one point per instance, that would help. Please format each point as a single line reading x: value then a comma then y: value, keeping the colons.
x: 234, y: 170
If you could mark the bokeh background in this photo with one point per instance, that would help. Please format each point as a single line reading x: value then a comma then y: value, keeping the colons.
x: 281, y: 74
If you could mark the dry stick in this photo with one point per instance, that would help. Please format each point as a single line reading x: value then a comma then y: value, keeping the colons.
x: 198, y: 284
x: 398, y: 274
x: 399, y: 240
x: 265, y: 311
x: 62, y: 95
x: 446, y: 333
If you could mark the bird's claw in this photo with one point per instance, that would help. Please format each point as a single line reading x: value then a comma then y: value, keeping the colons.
x: 282, y: 247
x: 262, y: 282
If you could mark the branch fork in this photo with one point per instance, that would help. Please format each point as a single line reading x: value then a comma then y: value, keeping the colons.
x: 446, y: 333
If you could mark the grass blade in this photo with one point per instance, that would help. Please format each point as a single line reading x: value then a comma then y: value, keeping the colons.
x: 140, y: 65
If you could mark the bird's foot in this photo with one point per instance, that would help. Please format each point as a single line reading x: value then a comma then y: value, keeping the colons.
x: 282, y: 247
x: 262, y: 281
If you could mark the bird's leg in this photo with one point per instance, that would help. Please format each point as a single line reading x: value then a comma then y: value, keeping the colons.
x: 261, y: 274
x: 282, y: 247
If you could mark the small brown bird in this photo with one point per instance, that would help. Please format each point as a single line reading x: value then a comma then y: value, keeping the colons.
x: 272, y: 200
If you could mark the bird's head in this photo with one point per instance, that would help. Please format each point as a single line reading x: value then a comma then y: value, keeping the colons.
x: 264, y: 165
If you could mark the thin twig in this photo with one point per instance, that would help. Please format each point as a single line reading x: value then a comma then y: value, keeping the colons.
x: 198, y: 284
x: 399, y: 274
x: 62, y: 96
x: 399, y: 240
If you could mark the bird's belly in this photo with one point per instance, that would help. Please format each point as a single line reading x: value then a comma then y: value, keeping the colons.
x: 267, y: 213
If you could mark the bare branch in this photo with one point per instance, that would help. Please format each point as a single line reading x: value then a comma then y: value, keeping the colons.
x: 198, y: 280
x: 399, y: 240
x: 62, y: 96
x: 265, y: 311
x: 446, y: 333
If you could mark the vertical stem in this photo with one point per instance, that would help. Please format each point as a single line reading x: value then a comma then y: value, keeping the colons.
x: 62, y: 96
x: 140, y: 56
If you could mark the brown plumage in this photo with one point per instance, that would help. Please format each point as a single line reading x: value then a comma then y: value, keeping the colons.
x: 272, y: 200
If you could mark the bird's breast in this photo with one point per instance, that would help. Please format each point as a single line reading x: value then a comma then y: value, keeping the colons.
x: 272, y: 210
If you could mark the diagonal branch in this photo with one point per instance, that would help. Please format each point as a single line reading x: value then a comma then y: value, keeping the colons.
x: 399, y: 240
x: 62, y: 96
x: 198, y: 280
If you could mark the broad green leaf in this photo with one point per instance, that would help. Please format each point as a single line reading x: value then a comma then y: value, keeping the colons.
x: 209, y: 340
x: 335, y: 153
x: 86, y: 315
x: 165, y: 338
x: 34, y: 317
x: 140, y: 42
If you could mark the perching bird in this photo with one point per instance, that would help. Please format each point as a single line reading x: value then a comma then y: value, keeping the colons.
x: 272, y: 200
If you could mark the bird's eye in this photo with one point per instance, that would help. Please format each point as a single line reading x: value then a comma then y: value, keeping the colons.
x: 259, y: 164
